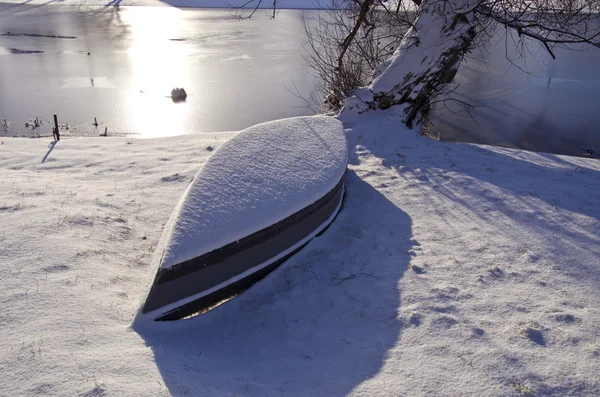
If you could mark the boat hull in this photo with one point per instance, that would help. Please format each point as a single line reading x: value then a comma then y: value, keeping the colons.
x: 202, y: 282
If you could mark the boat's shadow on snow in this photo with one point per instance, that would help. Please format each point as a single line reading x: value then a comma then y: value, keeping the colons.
x: 321, y: 324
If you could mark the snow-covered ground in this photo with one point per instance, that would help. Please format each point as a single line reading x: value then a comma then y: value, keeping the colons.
x: 452, y: 270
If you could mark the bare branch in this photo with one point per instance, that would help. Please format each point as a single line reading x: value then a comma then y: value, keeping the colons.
x: 365, y: 6
x: 241, y: 8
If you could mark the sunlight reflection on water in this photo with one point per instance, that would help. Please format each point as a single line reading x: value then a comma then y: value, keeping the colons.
x: 159, y: 65
x: 121, y: 64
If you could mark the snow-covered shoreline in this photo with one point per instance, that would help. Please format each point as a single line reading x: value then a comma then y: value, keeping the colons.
x: 453, y: 269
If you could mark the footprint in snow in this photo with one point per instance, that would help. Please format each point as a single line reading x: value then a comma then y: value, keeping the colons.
x: 415, y: 319
x: 478, y: 331
x: 533, y: 334
x: 173, y: 178
x: 565, y: 318
x: 496, y: 271
x: 444, y: 322
x: 416, y: 269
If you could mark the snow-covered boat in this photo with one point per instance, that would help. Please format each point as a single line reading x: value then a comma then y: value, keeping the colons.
x: 258, y: 199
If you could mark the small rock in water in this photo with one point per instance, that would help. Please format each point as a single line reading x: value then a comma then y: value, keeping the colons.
x: 178, y: 94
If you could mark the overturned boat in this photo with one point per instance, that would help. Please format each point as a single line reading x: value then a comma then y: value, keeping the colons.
x: 260, y: 198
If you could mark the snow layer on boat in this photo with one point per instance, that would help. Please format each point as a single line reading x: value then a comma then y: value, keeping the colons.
x: 259, y: 177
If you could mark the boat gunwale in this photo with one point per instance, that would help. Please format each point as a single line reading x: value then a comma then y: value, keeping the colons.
x: 216, y: 256
x: 245, y: 282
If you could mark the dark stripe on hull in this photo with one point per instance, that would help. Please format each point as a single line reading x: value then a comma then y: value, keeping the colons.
x: 232, y: 289
x: 209, y: 270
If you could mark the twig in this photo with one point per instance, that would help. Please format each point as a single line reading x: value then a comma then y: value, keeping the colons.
x: 354, y: 276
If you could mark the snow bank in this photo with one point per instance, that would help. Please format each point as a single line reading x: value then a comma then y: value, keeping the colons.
x: 261, y: 176
x: 453, y: 270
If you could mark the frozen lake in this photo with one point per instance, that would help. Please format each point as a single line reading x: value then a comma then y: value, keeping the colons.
x: 530, y: 102
x: 120, y: 64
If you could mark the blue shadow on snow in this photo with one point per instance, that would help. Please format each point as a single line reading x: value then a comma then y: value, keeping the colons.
x: 319, y: 325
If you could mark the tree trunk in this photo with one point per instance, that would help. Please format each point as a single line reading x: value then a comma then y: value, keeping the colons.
x: 425, y: 62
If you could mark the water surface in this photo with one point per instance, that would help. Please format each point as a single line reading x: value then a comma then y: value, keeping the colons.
x: 119, y: 64
x: 123, y: 62
x: 525, y: 99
